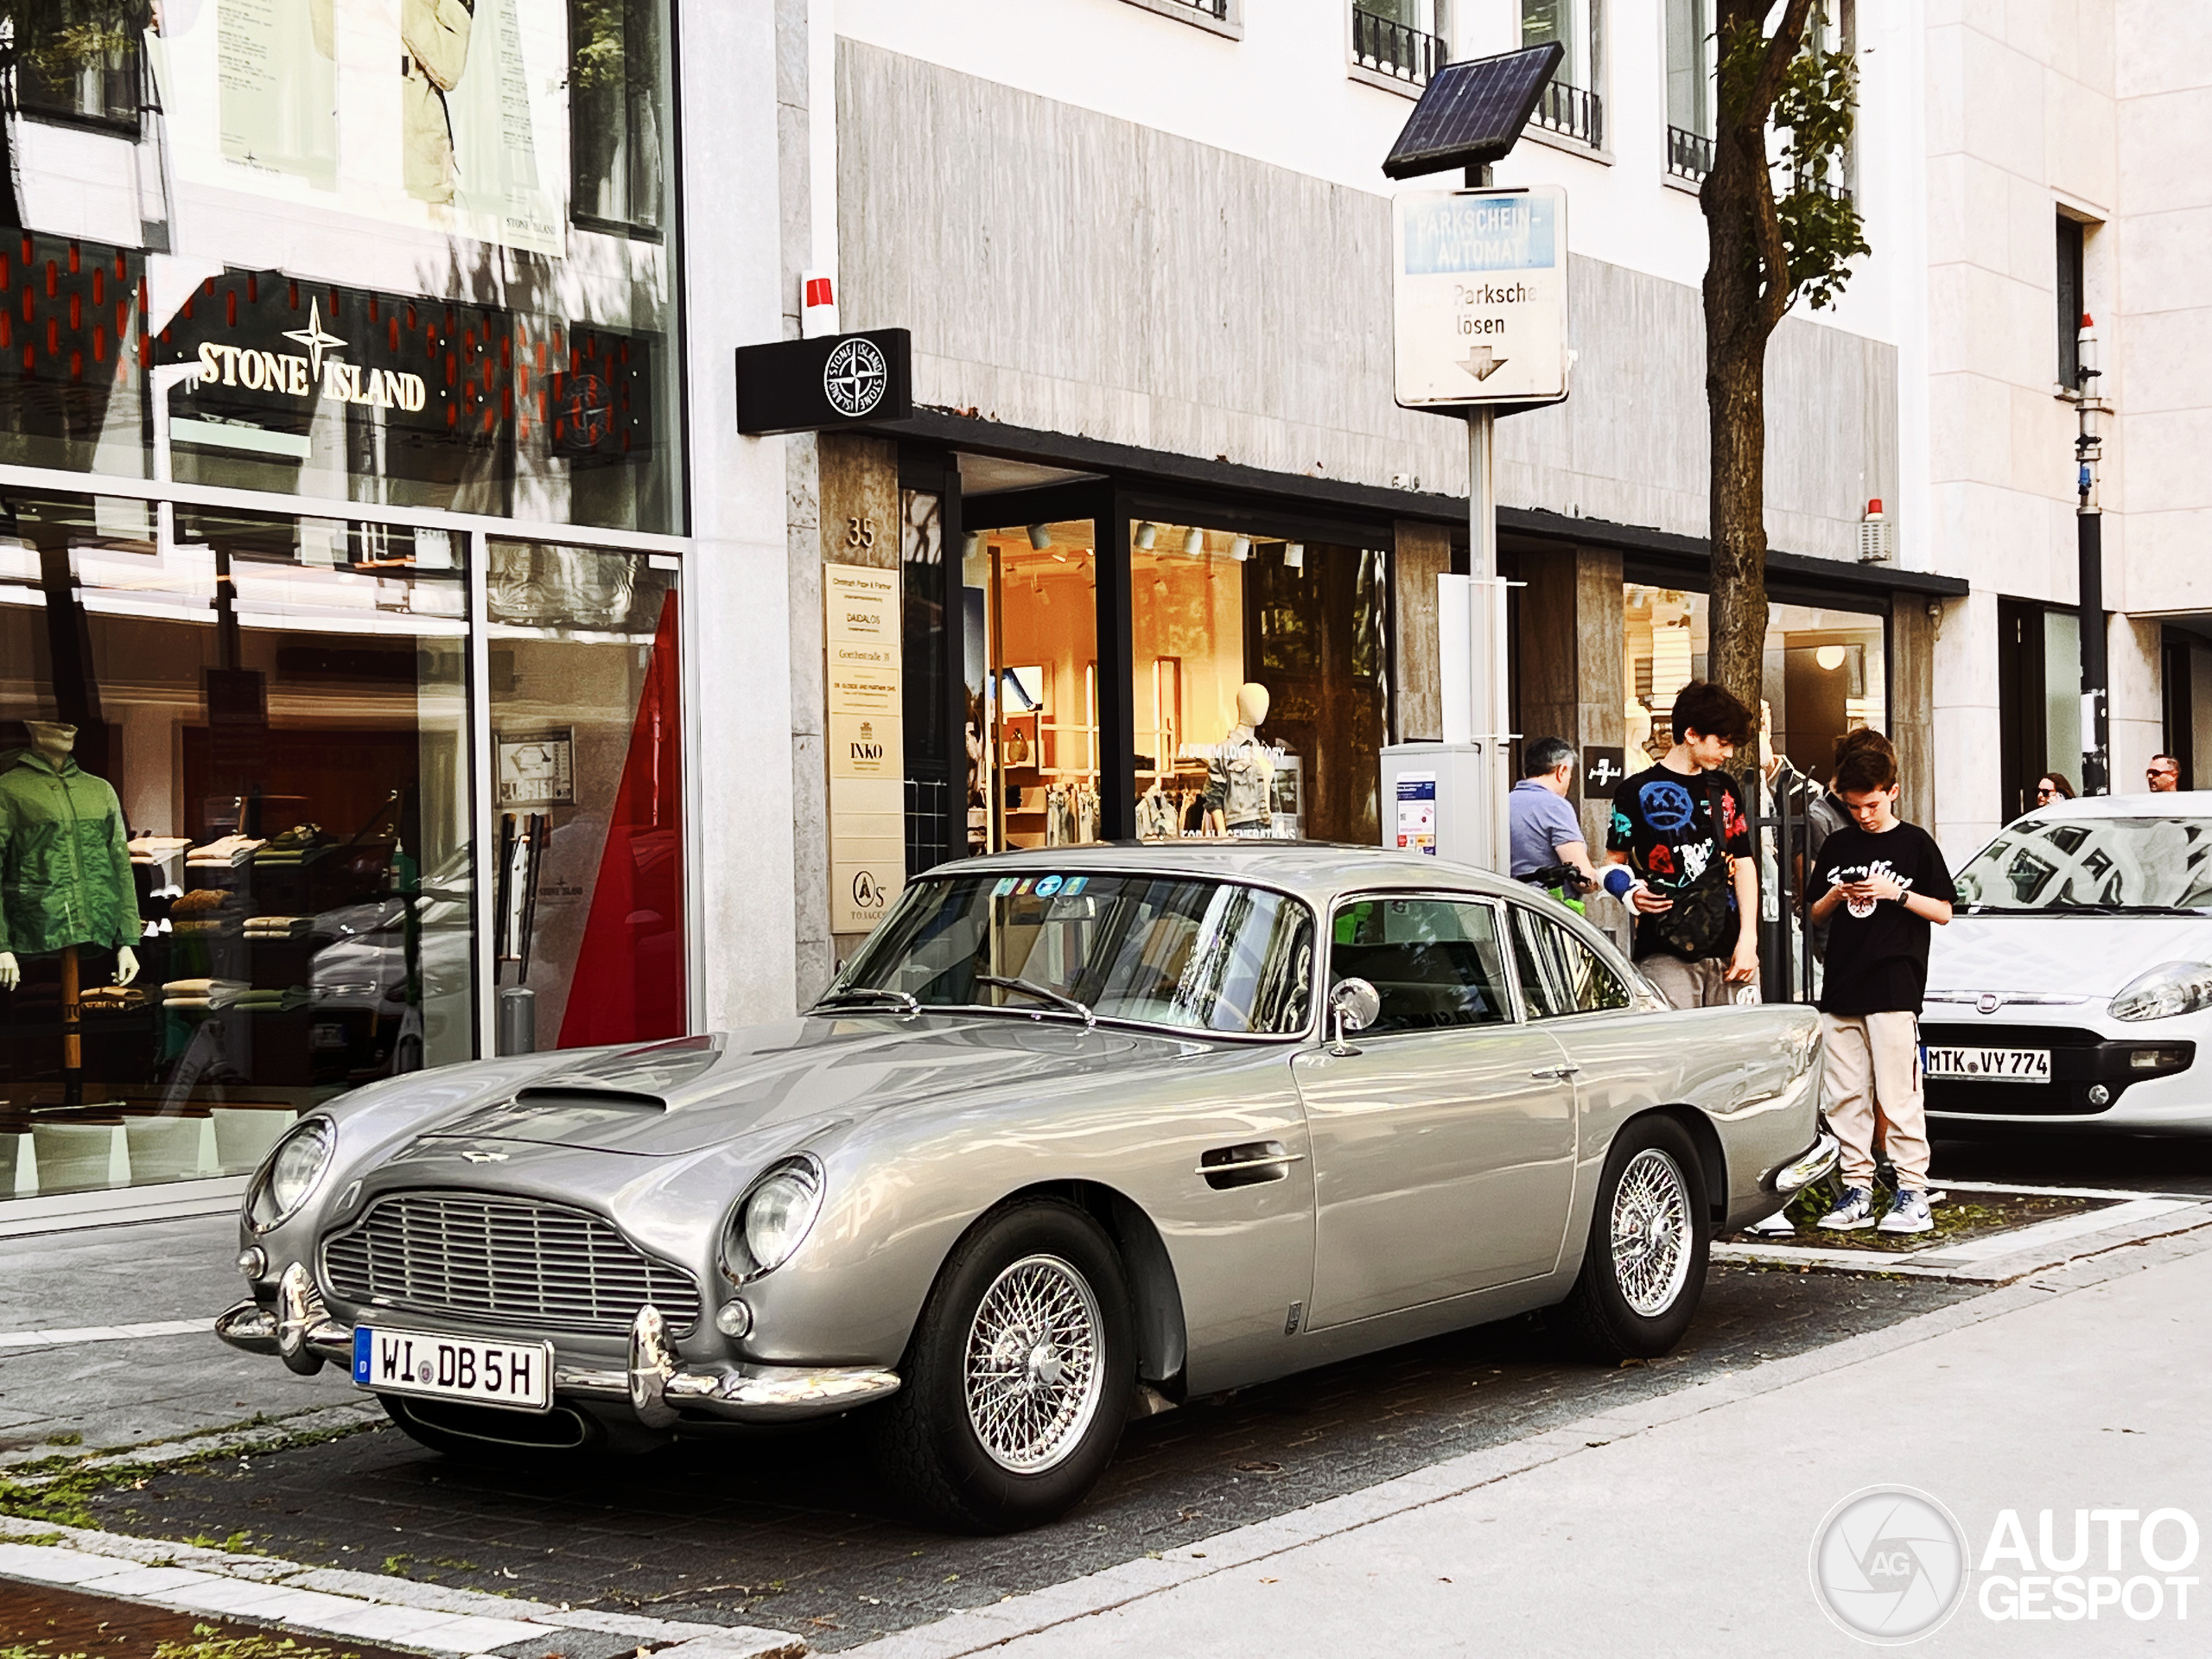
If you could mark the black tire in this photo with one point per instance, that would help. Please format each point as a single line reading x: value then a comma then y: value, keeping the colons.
x: 928, y: 1448
x: 1605, y: 1319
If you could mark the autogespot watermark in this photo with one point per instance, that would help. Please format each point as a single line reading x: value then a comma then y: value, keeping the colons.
x: 1891, y: 1564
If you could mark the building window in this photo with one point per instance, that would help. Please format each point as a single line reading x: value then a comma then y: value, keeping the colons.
x: 1690, y: 73
x: 616, y: 104
x: 1407, y: 40
x: 2071, y: 300
x: 1570, y: 103
x: 77, y: 62
x: 2038, y: 699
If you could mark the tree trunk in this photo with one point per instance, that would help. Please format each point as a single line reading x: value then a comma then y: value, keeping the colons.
x: 1746, y: 292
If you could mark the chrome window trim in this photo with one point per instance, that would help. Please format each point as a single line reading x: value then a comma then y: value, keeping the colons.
x: 1601, y: 949
x: 1492, y: 902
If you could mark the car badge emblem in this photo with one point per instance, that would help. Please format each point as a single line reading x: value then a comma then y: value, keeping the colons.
x: 1988, y: 1002
x: 485, y: 1157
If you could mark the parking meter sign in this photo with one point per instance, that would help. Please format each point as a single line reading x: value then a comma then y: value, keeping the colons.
x: 1480, y: 296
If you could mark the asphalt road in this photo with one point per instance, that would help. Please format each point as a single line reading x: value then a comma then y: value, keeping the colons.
x: 2178, y: 1165
x: 786, y: 1528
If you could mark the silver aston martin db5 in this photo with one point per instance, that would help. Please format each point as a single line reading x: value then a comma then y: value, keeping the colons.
x: 1076, y: 1135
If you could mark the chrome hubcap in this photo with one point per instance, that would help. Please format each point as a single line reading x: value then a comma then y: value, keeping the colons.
x: 1033, y: 1379
x: 1651, y: 1232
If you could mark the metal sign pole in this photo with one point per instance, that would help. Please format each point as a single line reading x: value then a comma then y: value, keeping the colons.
x: 1487, y: 667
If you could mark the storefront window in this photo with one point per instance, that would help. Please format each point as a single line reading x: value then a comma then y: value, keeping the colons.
x: 79, y: 61
x: 586, y: 840
x: 1261, y: 693
x: 1825, y: 673
x: 468, y: 304
x: 1032, y: 686
x: 235, y: 853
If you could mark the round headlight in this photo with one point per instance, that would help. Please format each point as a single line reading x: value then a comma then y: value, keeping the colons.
x: 293, y: 1167
x: 2170, y: 988
x: 773, y: 1221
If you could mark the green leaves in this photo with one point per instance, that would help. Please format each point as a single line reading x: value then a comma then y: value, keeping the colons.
x: 1822, y: 230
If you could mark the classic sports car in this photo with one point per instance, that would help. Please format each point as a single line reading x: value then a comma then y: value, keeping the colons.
x: 1076, y: 1135
x: 2074, y: 987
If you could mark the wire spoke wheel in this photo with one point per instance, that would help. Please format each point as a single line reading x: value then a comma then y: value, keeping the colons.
x: 1032, y: 1375
x: 1652, y: 1233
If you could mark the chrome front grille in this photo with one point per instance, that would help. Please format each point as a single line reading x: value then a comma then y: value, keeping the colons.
x: 513, y: 1261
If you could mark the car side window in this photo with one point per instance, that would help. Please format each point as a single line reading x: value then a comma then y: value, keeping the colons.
x: 1560, y: 974
x: 1435, y: 962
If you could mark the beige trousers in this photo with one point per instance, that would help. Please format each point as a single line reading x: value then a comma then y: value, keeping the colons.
x: 1874, y: 1087
x: 1700, y: 984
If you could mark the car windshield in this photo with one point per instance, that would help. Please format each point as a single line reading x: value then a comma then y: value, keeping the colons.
x: 2094, y: 865
x: 1156, y: 950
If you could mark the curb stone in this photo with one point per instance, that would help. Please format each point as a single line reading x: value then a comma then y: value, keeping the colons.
x: 364, y: 1606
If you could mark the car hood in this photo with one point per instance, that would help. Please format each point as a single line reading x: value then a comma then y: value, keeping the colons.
x: 674, y: 1099
x: 2062, y: 956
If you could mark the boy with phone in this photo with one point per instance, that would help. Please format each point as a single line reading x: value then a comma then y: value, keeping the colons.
x: 1881, y: 885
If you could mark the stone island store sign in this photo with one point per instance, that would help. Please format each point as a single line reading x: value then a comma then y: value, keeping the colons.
x: 318, y: 369
x: 819, y: 385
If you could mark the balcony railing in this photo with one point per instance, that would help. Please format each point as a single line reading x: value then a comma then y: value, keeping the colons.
x: 1211, y: 8
x: 1576, y: 113
x: 1689, y: 154
x: 1391, y: 48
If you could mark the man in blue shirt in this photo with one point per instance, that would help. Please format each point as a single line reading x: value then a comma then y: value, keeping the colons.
x: 1545, y: 831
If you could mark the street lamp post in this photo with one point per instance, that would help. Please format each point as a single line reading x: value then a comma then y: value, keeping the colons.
x: 2088, y: 451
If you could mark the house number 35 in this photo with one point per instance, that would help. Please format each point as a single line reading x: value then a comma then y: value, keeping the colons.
x: 860, y: 533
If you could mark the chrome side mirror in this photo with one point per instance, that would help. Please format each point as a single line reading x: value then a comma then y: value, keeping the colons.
x: 1354, y: 1005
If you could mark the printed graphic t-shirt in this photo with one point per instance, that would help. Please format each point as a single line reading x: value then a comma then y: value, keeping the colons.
x: 1878, y: 955
x: 1662, y: 819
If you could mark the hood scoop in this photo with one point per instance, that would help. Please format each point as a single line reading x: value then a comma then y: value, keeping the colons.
x: 563, y: 1112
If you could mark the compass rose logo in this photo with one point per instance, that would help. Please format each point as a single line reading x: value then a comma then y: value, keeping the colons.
x: 854, y: 377
x: 314, y: 338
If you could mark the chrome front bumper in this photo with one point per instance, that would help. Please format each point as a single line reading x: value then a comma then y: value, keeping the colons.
x: 1802, y: 1173
x: 301, y: 1332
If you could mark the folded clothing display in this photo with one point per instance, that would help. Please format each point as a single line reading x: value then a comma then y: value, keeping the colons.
x: 278, y: 927
x: 112, y: 999
x: 199, y: 902
x: 199, y: 925
x: 222, y: 852
x: 263, y: 1002
x: 202, y: 993
x: 296, y: 846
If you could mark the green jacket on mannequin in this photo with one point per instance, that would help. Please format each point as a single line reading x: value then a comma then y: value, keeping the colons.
x: 65, y: 861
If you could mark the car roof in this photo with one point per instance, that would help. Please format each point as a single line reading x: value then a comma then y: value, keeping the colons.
x: 1315, y: 870
x: 2178, y: 804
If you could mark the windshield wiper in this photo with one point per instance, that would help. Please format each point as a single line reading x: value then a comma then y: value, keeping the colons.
x: 905, y: 1001
x: 1044, y: 993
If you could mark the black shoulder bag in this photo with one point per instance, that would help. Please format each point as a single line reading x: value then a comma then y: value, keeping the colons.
x: 1694, y: 929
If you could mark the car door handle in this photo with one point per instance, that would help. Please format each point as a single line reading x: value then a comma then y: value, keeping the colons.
x: 1557, y: 1073
x: 1249, y: 1165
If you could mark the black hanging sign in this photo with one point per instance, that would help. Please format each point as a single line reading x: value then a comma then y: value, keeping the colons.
x: 819, y: 385
x: 1602, y: 768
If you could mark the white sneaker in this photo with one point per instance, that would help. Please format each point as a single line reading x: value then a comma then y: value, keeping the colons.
x: 1908, y: 1213
x: 1776, y: 1225
x: 1853, y: 1214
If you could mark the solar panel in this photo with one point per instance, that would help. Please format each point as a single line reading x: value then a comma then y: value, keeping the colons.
x: 1472, y: 112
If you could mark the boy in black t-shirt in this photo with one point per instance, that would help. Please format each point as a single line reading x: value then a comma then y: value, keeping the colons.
x: 1880, y: 884
x: 1680, y: 834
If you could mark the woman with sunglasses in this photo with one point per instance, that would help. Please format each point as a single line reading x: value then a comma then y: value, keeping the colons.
x: 2053, y: 786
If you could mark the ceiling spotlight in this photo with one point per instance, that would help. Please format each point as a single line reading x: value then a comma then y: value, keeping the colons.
x: 1293, y: 556
x: 1241, y: 549
x: 971, y: 544
x: 1148, y: 533
x: 1194, y: 541
x: 1040, y: 536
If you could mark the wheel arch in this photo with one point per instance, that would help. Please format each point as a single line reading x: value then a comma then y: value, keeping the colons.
x: 1711, y: 1157
x: 1156, y: 1298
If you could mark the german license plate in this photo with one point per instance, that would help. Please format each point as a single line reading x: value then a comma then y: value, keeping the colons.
x: 1986, y: 1064
x: 516, y: 1374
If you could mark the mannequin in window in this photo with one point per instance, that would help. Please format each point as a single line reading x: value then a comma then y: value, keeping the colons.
x: 1240, y: 777
x: 65, y: 862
